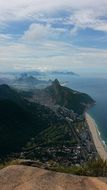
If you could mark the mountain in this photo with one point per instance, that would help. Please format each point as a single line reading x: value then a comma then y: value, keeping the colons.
x: 30, y: 178
x: 30, y: 73
x: 20, y: 120
x: 29, y: 82
x: 69, y: 98
x: 56, y: 94
x: 63, y: 73
x: 2, y: 81
x: 40, y: 125
x: 7, y: 93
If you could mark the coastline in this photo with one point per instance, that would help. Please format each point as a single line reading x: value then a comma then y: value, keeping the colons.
x: 96, y: 137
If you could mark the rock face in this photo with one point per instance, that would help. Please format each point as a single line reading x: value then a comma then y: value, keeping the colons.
x: 31, y: 178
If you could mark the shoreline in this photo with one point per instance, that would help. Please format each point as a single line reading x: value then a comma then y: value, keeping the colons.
x: 101, y: 149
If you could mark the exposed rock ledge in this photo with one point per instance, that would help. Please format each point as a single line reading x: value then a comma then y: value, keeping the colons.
x: 31, y: 178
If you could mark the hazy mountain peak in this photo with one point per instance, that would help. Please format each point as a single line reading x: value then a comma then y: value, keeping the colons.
x: 4, y: 86
x: 56, y: 83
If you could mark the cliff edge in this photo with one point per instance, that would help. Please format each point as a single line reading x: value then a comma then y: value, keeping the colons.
x: 32, y: 178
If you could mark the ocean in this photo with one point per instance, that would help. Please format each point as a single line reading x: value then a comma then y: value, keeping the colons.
x: 96, y: 87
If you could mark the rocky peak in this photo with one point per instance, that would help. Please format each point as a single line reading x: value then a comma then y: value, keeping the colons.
x: 56, y: 83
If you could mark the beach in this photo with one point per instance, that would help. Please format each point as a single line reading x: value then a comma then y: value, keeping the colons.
x: 96, y: 137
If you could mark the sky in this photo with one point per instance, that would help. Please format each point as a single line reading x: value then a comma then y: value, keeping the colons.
x: 53, y: 35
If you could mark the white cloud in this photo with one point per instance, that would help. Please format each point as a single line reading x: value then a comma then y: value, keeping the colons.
x: 38, y: 47
x: 21, y: 9
x: 102, y: 26
x: 36, y: 31
x: 5, y: 38
x: 50, y: 55
x: 41, y: 31
x: 89, y: 19
x: 84, y: 13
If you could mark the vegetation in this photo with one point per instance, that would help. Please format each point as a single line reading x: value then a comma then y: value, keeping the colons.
x: 10, y: 163
x: 20, y: 120
x: 57, y: 135
x: 69, y: 98
x: 56, y: 94
x: 94, y: 168
x: 35, y: 132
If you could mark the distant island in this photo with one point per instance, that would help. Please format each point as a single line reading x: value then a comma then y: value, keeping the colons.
x: 29, y: 82
x: 33, y: 79
x: 24, y: 81
x: 64, y: 73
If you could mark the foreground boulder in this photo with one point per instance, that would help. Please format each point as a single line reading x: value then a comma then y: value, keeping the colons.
x: 32, y: 178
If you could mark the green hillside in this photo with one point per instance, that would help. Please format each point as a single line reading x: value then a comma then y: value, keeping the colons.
x: 20, y: 120
x: 69, y: 98
x: 36, y: 131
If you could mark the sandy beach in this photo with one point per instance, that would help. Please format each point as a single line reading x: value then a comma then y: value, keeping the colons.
x: 96, y: 137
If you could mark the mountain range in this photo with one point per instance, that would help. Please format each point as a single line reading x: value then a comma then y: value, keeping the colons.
x: 22, y: 119
x: 56, y: 94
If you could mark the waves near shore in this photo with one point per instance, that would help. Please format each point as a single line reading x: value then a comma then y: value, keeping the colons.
x: 99, y: 143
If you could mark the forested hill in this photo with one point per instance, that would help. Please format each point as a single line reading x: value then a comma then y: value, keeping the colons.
x: 20, y: 120
x: 56, y: 94
x: 69, y: 98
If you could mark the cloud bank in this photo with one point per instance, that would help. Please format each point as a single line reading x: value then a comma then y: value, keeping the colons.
x: 55, y: 34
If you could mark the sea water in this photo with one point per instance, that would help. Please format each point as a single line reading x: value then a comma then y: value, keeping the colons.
x: 96, y: 87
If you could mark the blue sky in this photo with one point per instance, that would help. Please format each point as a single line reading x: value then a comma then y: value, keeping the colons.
x: 53, y: 35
